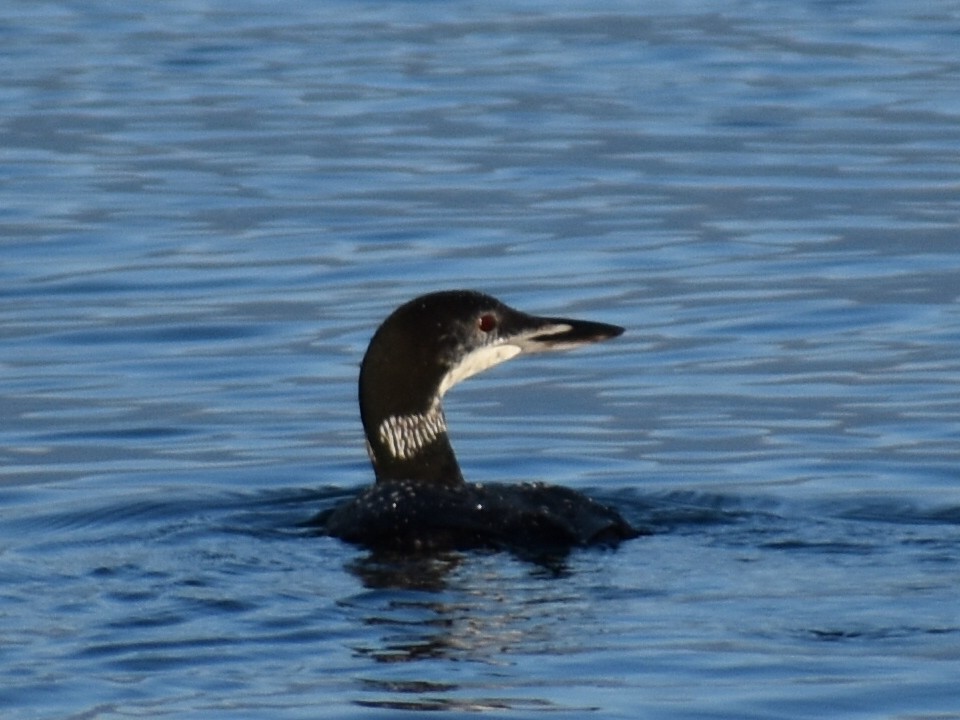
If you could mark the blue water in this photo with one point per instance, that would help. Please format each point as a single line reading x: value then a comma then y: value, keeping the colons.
x: 207, y: 207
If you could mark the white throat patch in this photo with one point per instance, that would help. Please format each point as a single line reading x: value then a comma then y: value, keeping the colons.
x: 477, y: 361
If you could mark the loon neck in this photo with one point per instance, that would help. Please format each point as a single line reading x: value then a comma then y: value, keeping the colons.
x: 401, y: 385
x: 411, y: 446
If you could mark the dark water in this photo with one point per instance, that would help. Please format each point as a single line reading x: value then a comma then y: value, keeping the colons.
x: 205, y: 210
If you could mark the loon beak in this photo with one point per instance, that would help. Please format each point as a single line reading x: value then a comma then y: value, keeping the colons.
x: 550, y: 334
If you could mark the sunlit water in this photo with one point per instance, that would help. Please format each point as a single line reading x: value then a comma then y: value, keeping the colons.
x: 205, y: 210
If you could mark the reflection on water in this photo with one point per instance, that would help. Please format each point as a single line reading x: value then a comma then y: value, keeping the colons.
x: 426, y: 573
x: 423, y: 612
x: 418, y: 623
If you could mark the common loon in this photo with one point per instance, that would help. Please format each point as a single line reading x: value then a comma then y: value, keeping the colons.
x: 420, y: 500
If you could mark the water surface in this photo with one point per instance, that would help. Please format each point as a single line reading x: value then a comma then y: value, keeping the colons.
x: 206, y: 209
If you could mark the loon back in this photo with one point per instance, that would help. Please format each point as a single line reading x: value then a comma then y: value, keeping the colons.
x: 528, y: 518
x: 420, y: 499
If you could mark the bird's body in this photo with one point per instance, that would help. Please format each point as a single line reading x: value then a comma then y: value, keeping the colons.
x: 420, y: 500
x: 405, y: 516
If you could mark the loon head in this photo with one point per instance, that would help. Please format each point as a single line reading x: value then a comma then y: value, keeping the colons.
x: 423, y: 349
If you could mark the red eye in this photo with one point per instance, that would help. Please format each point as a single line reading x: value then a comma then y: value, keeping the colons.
x: 487, y: 322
